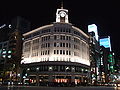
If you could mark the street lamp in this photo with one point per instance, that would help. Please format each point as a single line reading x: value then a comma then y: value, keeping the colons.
x: 37, y: 77
x: 50, y: 68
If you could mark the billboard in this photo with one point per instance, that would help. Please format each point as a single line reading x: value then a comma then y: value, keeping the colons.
x: 93, y: 28
x: 105, y: 42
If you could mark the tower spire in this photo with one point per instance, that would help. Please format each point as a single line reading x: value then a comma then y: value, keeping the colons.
x: 62, y: 14
x: 62, y: 5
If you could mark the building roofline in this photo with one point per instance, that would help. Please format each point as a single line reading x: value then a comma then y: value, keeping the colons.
x: 80, y: 31
x: 62, y: 23
x: 37, y: 29
x: 45, y: 26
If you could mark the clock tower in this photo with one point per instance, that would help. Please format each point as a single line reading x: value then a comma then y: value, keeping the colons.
x: 62, y: 15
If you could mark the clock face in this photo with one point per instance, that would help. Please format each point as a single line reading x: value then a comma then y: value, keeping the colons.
x: 62, y: 14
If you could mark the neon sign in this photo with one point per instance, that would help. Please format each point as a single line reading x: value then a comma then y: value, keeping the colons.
x: 105, y: 42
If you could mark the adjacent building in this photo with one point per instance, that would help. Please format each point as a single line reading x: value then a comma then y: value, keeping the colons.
x: 107, y: 65
x: 11, y: 48
x: 94, y: 54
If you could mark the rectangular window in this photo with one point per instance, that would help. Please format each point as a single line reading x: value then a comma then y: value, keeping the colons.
x: 60, y: 51
x: 54, y: 44
x: 66, y: 29
x: 46, y: 38
x: 54, y: 51
x: 48, y: 44
x: 61, y: 30
x: 63, y: 44
x: 69, y: 30
x: 69, y: 38
x: 66, y: 44
x: 66, y: 37
x: 55, y: 29
x: 69, y: 45
x: 42, y: 38
x: 67, y: 52
x: 48, y: 52
x: 60, y: 44
x: 57, y: 51
x: 55, y: 37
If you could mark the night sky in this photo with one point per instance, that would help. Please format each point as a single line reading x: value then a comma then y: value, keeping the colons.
x: 104, y: 13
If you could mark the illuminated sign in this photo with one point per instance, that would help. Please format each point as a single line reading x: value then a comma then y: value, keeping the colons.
x: 93, y: 28
x: 105, y: 42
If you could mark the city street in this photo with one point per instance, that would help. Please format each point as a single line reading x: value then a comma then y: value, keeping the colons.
x: 56, y: 88
x: 59, y: 45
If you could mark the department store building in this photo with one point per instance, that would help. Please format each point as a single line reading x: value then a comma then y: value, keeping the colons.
x: 56, y: 53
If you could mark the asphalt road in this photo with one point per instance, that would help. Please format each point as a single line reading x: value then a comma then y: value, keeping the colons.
x: 56, y: 88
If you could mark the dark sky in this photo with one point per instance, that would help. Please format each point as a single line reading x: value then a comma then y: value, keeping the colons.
x: 104, y: 13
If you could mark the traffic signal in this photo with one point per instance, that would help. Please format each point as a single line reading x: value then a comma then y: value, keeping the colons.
x: 111, y: 62
x: 110, y: 58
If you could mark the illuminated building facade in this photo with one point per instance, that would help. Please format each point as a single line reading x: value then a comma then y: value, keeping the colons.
x: 104, y: 65
x: 107, y: 61
x: 10, y: 57
x: 94, y: 54
x: 56, y: 54
x: 94, y: 59
x: 3, y: 59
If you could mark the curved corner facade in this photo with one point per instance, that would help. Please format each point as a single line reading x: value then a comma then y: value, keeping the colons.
x: 56, y: 53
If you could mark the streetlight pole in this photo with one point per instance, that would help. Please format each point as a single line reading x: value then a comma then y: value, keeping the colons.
x: 37, y: 77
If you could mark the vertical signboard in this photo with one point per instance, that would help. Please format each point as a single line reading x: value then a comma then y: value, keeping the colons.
x: 105, y: 42
x: 93, y: 28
